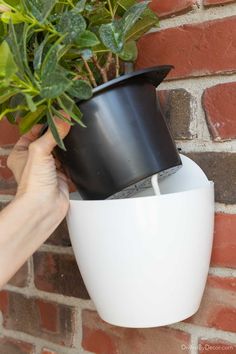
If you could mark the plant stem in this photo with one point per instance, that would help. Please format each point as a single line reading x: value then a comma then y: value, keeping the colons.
x: 109, y: 61
x: 101, y: 69
x: 90, y: 73
x: 11, y: 110
x: 110, y: 9
x: 71, y: 3
x: 39, y: 103
x: 117, y: 66
x: 31, y: 91
x: 24, y: 86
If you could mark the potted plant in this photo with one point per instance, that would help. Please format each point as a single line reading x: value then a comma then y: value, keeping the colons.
x: 72, y: 55
x: 145, y: 259
x: 54, y: 56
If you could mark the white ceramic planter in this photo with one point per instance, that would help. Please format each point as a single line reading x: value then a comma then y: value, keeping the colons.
x: 145, y: 260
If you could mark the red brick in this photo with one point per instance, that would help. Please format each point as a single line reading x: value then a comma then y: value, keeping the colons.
x: 217, y: 2
x: 20, y: 279
x: 195, y: 50
x: 220, y: 109
x: 9, y: 133
x: 40, y: 318
x: 48, y: 315
x: 221, y: 169
x: 4, y: 302
x: 60, y: 236
x: 224, y: 247
x: 101, y: 338
x: 5, y: 172
x: 165, y: 8
x: 48, y: 351
x: 176, y: 107
x: 216, y: 347
x: 13, y: 346
x: 218, y: 307
x: 7, y: 181
x: 59, y: 273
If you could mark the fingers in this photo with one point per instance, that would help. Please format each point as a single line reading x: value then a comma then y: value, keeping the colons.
x: 24, y: 142
x: 17, y: 159
x: 46, y: 143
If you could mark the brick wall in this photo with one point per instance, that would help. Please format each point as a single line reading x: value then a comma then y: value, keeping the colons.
x: 45, y: 308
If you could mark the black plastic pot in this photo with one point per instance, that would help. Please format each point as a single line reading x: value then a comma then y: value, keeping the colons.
x: 126, y: 139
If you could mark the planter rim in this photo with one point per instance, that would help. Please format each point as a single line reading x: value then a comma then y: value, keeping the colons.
x: 151, y: 74
x: 208, y: 186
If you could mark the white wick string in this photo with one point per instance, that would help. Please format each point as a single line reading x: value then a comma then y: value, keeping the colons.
x: 155, y: 184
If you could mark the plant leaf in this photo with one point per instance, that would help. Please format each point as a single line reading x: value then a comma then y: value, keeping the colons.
x: 123, y: 6
x: 99, y: 16
x: 32, y: 118
x: 32, y: 106
x: 72, y: 24
x: 11, y: 118
x: 147, y: 21
x: 87, y: 40
x: 60, y: 115
x: 38, y: 55
x: 2, y: 31
x: 6, y: 94
x: 54, y: 85
x: 130, y: 52
x: 40, y: 9
x: 27, y: 33
x: 14, y: 43
x: 81, y: 89
x: 132, y: 15
x: 54, y: 130
x: 13, y: 3
x: 9, y: 110
x: 8, y: 66
x: 69, y: 106
x: 112, y: 36
x: 79, y: 7
x: 8, y: 17
x: 50, y: 61
x: 126, y: 4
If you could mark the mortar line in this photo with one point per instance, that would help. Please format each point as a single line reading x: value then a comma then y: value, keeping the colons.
x: 200, y: 332
x: 197, y: 15
x: 51, y: 297
x: 31, y: 273
x: 18, y: 335
x: 223, y: 272
x: 79, y: 332
x: 5, y: 198
x: 193, y: 124
x: 200, y: 145
x: 38, y: 348
x: 225, y: 208
x: 194, y: 344
x: 56, y: 249
x: 198, y: 82
x: 5, y: 151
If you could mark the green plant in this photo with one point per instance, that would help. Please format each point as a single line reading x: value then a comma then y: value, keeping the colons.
x: 53, y: 52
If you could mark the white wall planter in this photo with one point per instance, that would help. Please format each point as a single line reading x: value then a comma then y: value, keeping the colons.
x: 145, y: 260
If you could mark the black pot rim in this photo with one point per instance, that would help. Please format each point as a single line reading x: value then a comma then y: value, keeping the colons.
x: 150, y: 74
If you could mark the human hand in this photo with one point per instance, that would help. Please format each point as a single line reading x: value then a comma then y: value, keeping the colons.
x: 34, y: 168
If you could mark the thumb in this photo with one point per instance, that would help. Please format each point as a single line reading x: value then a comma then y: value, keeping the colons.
x: 46, y: 143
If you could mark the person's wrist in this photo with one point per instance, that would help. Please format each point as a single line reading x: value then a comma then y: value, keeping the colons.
x: 43, y: 207
x: 33, y: 205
